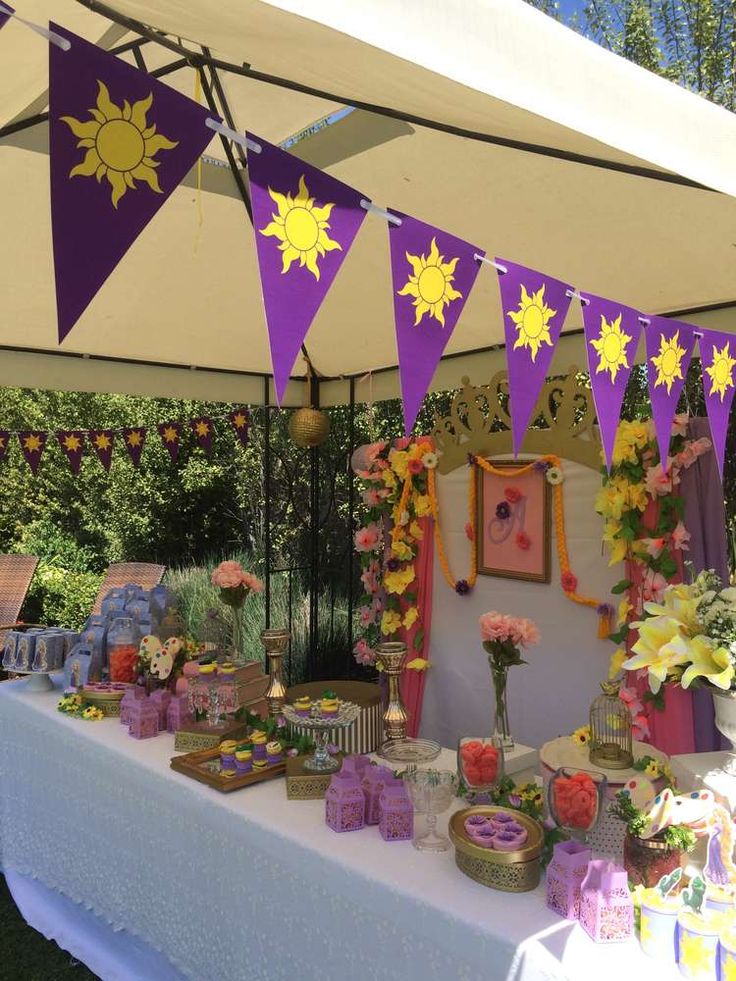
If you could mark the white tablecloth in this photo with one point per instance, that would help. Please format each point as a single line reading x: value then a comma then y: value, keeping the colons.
x: 249, y: 885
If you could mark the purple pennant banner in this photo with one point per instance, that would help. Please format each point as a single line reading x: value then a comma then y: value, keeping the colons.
x: 32, y: 444
x: 72, y: 446
x: 534, y: 309
x: 203, y: 432
x: 4, y: 443
x: 612, y: 333
x: 5, y: 17
x: 101, y: 441
x: 304, y: 222
x: 432, y: 273
x: 669, y: 346
x: 718, y: 360
x: 120, y: 143
x: 134, y: 439
x: 170, y: 433
x: 240, y: 419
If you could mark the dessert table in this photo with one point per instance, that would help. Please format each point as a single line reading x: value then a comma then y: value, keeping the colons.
x: 226, y: 887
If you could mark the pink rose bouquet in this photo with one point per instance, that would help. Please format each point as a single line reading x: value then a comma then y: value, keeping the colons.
x: 235, y: 584
x: 503, y: 637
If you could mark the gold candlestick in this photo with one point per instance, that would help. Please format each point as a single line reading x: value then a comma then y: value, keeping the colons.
x: 275, y: 643
x: 391, y: 655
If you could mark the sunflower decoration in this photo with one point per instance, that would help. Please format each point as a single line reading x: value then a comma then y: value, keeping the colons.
x: 532, y: 321
x: 720, y: 370
x: 668, y: 361
x: 611, y: 347
x: 120, y: 144
x: 431, y: 284
x: 581, y: 736
x: 301, y: 228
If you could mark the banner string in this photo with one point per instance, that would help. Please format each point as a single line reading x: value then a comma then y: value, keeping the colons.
x: 120, y: 430
x: 200, y: 217
x: 44, y: 32
x: 231, y: 134
x: 490, y: 262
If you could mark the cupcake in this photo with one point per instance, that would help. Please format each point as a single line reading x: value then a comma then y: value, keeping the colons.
x: 229, y: 772
x: 259, y: 765
x: 207, y: 667
x: 303, y: 705
x: 329, y: 704
x: 259, y: 740
x: 274, y: 752
x: 243, y: 760
x: 227, y: 754
x: 226, y: 668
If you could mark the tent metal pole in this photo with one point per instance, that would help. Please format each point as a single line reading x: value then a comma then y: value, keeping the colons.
x: 314, y: 476
x: 351, y: 518
x: 267, y: 498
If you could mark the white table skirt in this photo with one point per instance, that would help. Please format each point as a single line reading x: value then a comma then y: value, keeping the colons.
x: 249, y: 885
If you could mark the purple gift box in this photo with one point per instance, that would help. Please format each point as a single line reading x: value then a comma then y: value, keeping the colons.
x: 344, y: 803
x: 565, y: 874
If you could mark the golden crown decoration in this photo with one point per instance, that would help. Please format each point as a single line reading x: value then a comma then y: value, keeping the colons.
x: 564, y: 422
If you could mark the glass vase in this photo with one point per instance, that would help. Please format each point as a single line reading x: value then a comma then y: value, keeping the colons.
x: 501, y: 728
x: 237, y: 641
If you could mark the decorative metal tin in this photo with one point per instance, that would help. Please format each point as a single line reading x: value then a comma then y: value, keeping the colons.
x: 516, y: 871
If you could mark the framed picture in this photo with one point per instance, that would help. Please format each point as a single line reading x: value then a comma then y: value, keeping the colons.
x: 513, y: 523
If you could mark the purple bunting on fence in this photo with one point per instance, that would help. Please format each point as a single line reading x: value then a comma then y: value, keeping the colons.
x: 102, y: 441
x: 32, y: 444
x: 120, y: 143
x: 433, y: 273
x: 305, y: 222
x: 203, y: 432
x: 669, y: 347
x: 4, y: 443
x: 240, y: 418
x: 534, y: 309
x: 134, y: 439
x: 5, y: 17
x: 72, y: 446
x: 718, y: 361
x: 170, y: 433
x: 612, y: 333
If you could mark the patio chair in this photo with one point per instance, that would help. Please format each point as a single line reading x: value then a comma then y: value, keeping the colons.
x: 145, y: 574
x: 16, y: 573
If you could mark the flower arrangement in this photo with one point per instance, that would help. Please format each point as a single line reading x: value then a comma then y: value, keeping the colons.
x: 73, y: 704
x: 503, y: 638
x: 395, y: 491
x: 235, y: 584
x: 688, y: 636
x: 675, y: 836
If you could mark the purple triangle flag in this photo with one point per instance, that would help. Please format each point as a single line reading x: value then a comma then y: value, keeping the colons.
x: 203, y: 432
x: 72, y: 446
x: 102, y: 440
x: 120, y: 143
x: 534, y: 309
x: 612, y: 333
x: 304, y: 222
x: 170, y: 433
x: 4, y: 443
x: 669, y: 346
x: 240, y: 419
x: 134, y: 439
x: 718, y: 360
x: 32, y: 443
x: 432, y: 273
x: 5, y: 17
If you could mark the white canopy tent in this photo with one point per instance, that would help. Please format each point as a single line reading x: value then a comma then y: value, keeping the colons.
x: 485, y: 118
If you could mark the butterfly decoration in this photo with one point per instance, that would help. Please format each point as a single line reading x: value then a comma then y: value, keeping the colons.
x: 160, y: 657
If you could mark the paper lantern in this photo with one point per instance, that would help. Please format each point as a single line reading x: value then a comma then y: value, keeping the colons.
x: 374, y: 780
x: 309, y: 427
x: 344, y: 803
x: 396, y: 820
x: 565, y: 874
x: 606, y: 909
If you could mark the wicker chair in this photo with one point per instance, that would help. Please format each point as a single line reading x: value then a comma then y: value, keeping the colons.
x: 145, y: 574
x: 16, y: 573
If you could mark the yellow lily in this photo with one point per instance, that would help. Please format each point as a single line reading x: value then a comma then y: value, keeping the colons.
x: 617, y: 547
x: 422, y: 505
x: 678, y: 604
x: 399, y: 460
x: 707, y: 661
x: 617, y: 660
x: 624, y: 608
x: 390, y: 623
x: 657, y: 649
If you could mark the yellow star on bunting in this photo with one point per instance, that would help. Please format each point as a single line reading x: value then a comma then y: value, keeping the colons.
x: 201, y: 428
x: 431, y: 284
x: 668, y: 361
x: 610, y: 346
x: 134, y: 439
x: 720, y: 370
x: 301, y: 228
x: 170, y: 434
x: 2, y: 442
x: 72, y: 443
x: 32, y: 443
x: 239, y: 420
x: 102, y: 442
x: 532, y: 321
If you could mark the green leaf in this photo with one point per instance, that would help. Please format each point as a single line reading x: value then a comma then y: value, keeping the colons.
x: 621, y: 586
x: 418, y: 641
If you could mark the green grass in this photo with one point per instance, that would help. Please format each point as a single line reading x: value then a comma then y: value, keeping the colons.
x: 27, y: 955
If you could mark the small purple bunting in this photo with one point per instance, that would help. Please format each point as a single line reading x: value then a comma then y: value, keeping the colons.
x: 120, y: 142
x: 4, y: 443
x: 32, y: 444
x: 718, y: 361
x: 433, y: 273
x: 170, y: 433
x: 534, y: 309
x: 240, y: 419
x: 72, y: 446
x: 304, y: 222
x: 134, y: 439
x: 102, y: 441
x: 669, y: 347
x: 612, y: 333
x: 202, y: 429
x: 5, y: 17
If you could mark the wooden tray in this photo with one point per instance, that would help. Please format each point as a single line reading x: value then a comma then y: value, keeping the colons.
x: 197, y: 766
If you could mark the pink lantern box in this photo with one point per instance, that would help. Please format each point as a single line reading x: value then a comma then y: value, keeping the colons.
x: 357, y: 764
x: 344, y: 803
x: 606, y: 908
x: 161, y: 699
x: 132, y: 695
x: 143, y: 719
x: 565, y: 874
x: 374, y: 780
x: 396, y: 821
x: 178, y: 713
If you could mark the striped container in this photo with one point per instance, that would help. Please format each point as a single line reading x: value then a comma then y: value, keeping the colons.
x: 365, y: 735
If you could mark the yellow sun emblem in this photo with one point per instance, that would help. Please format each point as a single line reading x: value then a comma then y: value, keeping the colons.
x: 32, y: 443
x: 721, y: 371
x: 72, y: 443
x: 610, y: 346
x: 170, y: 434
x: 697, y: 955
x: 201, y: 428
x: 669, y: 361
x: 120, y: 144
x: 532, y: 321
x: 431, y: 285
x: 301, y: 228
x: 103, y: 442
x: 239, y: 420
x: 134, y: 439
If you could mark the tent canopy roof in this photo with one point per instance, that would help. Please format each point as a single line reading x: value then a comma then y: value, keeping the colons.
x: 487, y: 118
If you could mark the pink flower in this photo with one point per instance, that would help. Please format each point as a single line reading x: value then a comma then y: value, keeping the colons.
x: 501, y: 626
x: 371, y: 498
x: 523, y: 541
x: 402, y: 442
x: 640, y: 727
x: 364, y: 458
x: 367, y: 616
x: 364, y: 654
x: 366, y: 539
x: 526, y: 632
x: 701, y: 446
x: 468, y: 531
x: 512, y: 494
x: 653, y: 586
x: 251, y: 582
x: 377, y: 605
x: 631, y: 700
x: 415, y: 467
x: 679, y: 424
x: 569, y: 582
x: 227, y: 575
x: 681, y: 537
x: 369, y: 577
x: 654, y: 546
x: 658, y: 481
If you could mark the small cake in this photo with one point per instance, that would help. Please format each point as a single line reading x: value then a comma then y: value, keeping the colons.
x: 229, y: 772
x: 243, y: 760
x: 259, y: 764
x: 303, y: 705
x: 329, y: 704
x: 227, y: 753
x: 208, y: 667
x: 259, y: 740
x: 226, y: 668
x: 274, y: 751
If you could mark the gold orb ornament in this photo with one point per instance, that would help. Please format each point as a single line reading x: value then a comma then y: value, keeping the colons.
x: 309, y: 427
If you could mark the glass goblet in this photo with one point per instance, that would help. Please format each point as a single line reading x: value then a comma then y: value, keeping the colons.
x: 431, y: 793
x: 480, y: 763
x: 576, y: 799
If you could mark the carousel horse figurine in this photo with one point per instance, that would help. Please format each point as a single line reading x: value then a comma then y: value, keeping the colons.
x: 688, y: 810
x: 719, y: 867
